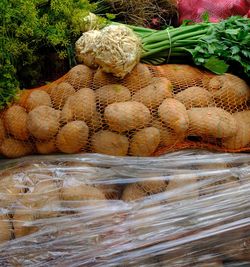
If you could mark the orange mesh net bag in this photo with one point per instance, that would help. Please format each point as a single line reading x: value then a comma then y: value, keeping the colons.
x: 153, y: 110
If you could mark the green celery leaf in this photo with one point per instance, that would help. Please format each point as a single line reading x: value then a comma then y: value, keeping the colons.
x: 216, y: 65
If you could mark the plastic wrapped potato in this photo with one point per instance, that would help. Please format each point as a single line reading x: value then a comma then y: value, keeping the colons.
x: 5, y: 226
x: 43, y: 122
x: 107, y: 142
x: 73, y: 137
x: 15, y: 121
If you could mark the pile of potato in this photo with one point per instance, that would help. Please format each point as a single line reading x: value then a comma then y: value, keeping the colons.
x: 94, y: 112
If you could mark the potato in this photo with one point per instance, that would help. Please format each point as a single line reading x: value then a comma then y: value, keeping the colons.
x: 47, y: 147
x: 5, y: 226
x: 174, y: 114
x: 181, y: 76
x: 167, y: 136
x: 214, y: 122
x: 81, y: 192
x: 102, y: 78
x: 37, y: 98
x: 242, y: 137
x: 133, y: 192
x: 15, y: 121
x: 12, y: 148
x: 43, y: 198
x: 139, y: 77
x: 177, y: 187
x: 80, y: 106
x: 106, y: 142
x: 43, y: 122
x: 195, y: 96
x: 80, y: 76
x: 96, y: 121
x: 60, y: 94
x: 21, y: 223
x: 154, y: 186
x: 111, y: 191
x: 229, y: 90
x: 126, y: 116
x: 145, y: 142
x: 73, y: 137
x: 153, y: 95
x: 2, y: 131
x: 112, y: 93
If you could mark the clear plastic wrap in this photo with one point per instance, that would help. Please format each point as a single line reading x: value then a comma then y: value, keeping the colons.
x: 180, y: 209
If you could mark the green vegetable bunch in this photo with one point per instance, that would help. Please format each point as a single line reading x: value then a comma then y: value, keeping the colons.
x: 30, y: 31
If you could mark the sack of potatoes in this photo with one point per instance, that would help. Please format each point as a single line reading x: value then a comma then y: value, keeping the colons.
x: 152, y: 110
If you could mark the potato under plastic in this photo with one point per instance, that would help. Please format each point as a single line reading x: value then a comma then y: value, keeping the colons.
x: 190, y: 107
x: 186, y: 208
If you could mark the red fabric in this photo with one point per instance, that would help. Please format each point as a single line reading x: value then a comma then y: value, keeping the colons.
x: 217, y: 9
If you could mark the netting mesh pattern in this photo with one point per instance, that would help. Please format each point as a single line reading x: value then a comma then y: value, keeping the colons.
x: 155, y: 109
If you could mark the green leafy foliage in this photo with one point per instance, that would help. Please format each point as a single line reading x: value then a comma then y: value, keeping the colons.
x: 30, y: 30
x: 226, y: 44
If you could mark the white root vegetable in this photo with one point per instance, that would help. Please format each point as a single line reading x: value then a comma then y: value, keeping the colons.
x: 106, y: 49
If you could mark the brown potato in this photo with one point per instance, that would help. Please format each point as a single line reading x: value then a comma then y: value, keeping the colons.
x: 174, y: 114
x: 111, y: 191
x: 139, y: 78
x: 5, y: 226
x: 126, y: 116
x: 96, y: 121
x: 102, y: 78
x: 47, y: 147
x: 2, y: 131
x: 194, y: 97
x: 181, y: 76
x: 73, y: 137
x: 242, y: 137
x: 112, y: 93
x: 80, y: 106
x: 60, y: 94
x: 12, y: 148
x: 20, y: 222
x: 229, y: 91
x: 81, y: 192
x: 80, y: 76
x: 168, y: 136
x: 214, y: 122
x: 38, y: 98
x: 43, y: 122
x: 145, y: 142
x: 153, y: 186
x: 106, y: 142
x: 133, y: 192
x: 153, y: 95
x: 15, y: 121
